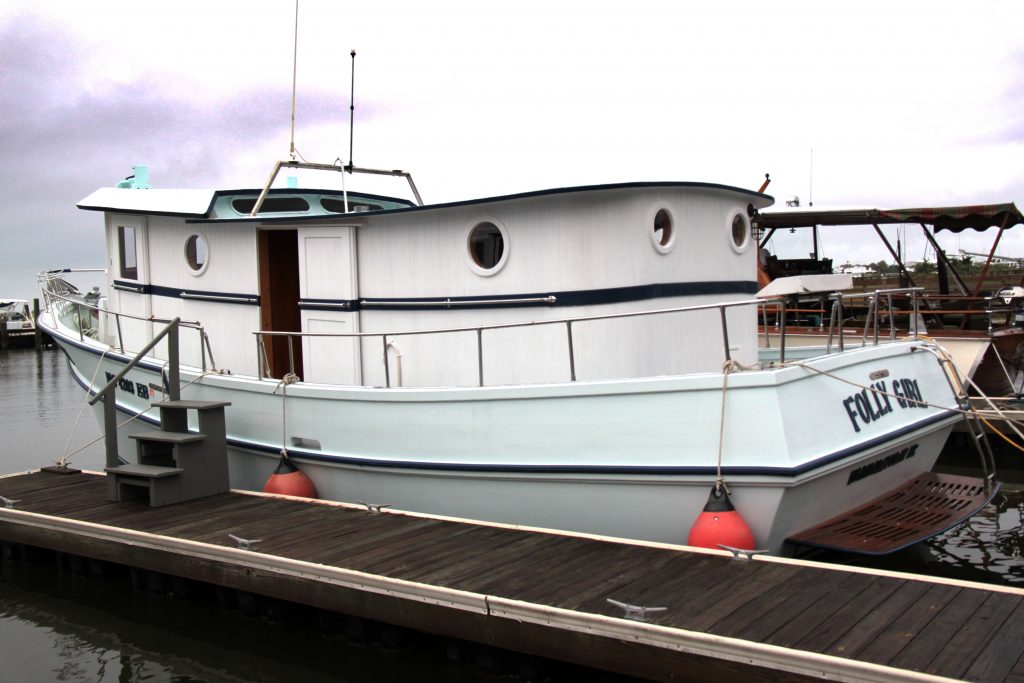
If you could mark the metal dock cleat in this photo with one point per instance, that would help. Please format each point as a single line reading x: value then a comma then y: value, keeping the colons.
x: 373, y: 507
x: 245, y: 543
x: 741, y: 554
x: 8, y: 502
x: 636, y: 612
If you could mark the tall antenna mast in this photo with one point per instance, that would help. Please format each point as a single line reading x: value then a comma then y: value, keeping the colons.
x: 295, y: 62
x: 810, y: 181
x: 337, y: 165
x: 351, y: 112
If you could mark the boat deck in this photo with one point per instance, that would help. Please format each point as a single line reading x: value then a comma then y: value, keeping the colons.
x: 548, y: 594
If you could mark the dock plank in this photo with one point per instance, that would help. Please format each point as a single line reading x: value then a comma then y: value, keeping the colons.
x: 831, y: 632
x: 618, y: 568
x: 903, y: 629
x: 959, y: 651
x: 682, y: 576
x: 536, y: 581
x: 752, y: 580
x: 1001, y: 653
x: 470, y: 578
x: 863, y: 632
x: 774, y: 609
x: 812, y: 619
x: 429, y: 548
x: 929, y: 642
x: 515, y: 574
x: 484, y: 541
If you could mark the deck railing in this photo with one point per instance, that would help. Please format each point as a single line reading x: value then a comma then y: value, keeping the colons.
x: 835, y: 340
x: 81, y: 312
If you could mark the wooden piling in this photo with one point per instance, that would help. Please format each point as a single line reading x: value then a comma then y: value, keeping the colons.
x: 35, y: 323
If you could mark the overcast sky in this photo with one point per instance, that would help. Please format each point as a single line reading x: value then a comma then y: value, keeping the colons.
x: 902, y: 103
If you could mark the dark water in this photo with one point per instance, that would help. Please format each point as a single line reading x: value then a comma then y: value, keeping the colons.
x: 58, y: 626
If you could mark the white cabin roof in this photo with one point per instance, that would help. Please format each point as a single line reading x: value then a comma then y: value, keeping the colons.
x: 806, y: 284
x: 175, y: 202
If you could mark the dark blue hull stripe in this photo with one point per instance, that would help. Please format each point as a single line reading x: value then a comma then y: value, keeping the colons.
x: 639, y: 470
x: 588, y: 297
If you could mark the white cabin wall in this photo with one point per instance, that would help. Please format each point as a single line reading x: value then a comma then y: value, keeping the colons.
x: 230, y: 269
x: 135, y: 331
x: 565, y: 242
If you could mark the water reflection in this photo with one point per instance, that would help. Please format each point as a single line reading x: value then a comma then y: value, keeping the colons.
x: 58, y: 626
x: 43, y: 411
x: 990, y: 542
x: 988, y: 548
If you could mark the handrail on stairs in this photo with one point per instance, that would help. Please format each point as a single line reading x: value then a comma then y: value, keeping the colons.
x: 107, y: 392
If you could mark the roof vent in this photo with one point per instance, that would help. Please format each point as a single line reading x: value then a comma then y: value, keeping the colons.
x: 138, y: 180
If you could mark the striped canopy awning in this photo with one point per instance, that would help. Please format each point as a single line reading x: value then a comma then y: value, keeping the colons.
x: 952, y: 218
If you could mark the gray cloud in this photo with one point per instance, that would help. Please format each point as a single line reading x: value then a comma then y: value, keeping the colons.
x: 62, y: 141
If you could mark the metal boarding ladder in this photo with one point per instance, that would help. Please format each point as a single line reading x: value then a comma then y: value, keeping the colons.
x: 976, y: 432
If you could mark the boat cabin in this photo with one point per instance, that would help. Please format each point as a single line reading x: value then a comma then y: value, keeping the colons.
x: 348, y: 275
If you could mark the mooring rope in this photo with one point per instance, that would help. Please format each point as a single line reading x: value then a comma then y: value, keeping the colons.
x: 63, y: 460
x: 727, y: 367
x: 67, y: 457
x: 290, y: 378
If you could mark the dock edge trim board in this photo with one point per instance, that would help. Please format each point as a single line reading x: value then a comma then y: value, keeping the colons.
x: 620, y: 629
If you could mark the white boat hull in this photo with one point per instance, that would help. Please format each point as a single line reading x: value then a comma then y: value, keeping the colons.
x: 628, y: 458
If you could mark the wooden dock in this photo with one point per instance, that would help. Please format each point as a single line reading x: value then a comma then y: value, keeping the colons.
x: 546, y: 594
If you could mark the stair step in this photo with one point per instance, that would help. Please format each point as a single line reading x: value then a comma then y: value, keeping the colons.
x: 169, y: 437
x: 148, y: 471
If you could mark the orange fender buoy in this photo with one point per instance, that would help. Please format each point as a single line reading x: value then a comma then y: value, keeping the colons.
x: 287, y: 479
x: 720, y: 524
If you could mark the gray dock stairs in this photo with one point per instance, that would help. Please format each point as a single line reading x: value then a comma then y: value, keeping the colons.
x: 175, y: 464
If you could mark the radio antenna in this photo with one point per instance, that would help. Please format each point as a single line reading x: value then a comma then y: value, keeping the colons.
x: 352, y: 113
x: 810, y: 181
x: 295, y: 62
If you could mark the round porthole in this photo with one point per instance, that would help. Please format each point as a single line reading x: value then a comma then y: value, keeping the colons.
x: 739, y: 230
x: 488, y: 247
x: 663, y: 230
x: 196, y: 254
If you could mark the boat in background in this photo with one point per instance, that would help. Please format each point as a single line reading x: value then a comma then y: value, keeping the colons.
x: 981, y: 324
x: 18, y: 322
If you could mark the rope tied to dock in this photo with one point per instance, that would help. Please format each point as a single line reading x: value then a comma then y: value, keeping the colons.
x: 728, y: 366
x: 290, y: 378
x: 63, y: 460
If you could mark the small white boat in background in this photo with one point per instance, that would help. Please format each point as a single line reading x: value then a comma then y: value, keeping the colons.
x: 582, y: 358
x: 17, y: 318
x: 16, y: 315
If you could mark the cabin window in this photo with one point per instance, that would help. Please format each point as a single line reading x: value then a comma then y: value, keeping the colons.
x: 740, y: 231
x: 271, y: 205
x: 355, y: 206
x: 488, y: 247
x: 663, y: 233
x: 196, y: 253
x: 129, y: 259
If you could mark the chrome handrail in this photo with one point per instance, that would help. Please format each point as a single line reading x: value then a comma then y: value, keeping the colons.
x: 54, y: 297
x: 51, y: 296
x: 261, y: 336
